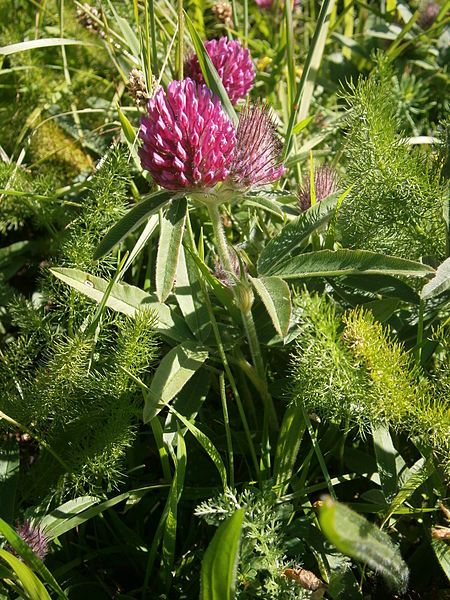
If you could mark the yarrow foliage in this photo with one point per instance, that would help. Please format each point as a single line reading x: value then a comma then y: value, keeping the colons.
x: 233, y: 64
x: 188, y: 140
x: 256, y: 160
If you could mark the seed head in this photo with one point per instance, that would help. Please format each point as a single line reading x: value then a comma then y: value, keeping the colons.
x: 325, y: 184
x: 85, y: 14
x: 137, y: 87
x: 223, y: 12
x: 188, y: 140
x: 256, y: 159
x: 34, y: 537
x: 233, y: 64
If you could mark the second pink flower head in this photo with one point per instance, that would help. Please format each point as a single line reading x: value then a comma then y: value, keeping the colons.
x: 233, y: 64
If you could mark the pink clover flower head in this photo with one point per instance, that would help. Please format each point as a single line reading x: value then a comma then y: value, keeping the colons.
x: 34, y: 537
x: 256, y: 159
x: 233, y: 64
x: 325, y: 184
x: 188, y: 140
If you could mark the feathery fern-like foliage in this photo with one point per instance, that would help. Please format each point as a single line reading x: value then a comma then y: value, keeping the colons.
x: 349, y: 370
x: 263, y: 546
x: 74, y: 390
x: 396, y: 201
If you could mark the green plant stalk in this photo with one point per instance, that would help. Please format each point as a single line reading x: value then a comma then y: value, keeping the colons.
x: 180, y: 50
x: 319, y: 454
x: 324, y: 15
x: 250, y: 330
x: 245, y: 23
x: 225, y: 363
x: 147, y: 50
x: 226, y: 421
x: 40, y: 441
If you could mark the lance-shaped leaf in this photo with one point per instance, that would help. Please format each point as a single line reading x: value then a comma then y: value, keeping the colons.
x: 440, y: 282
x: 126, y: 299
x: 32, y: 586
x: 334, y: 263
x: 295, y: 234
x: 354, y: 536
x: 170, y: 237
x: 274, y: 292
x: 134, y: 217
x: 175, y: 369
x: 219, y: 565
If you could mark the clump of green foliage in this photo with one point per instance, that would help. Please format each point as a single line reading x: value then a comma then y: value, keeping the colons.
x: 350, y: 370
x: 263, y: 547
x: 73, y: 390
x: 396, y: 201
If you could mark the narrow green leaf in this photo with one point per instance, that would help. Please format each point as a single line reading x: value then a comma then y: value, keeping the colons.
x: 128, y: 34
x: 127, y: 128
x: 32, y: 586
x: 135, y: 217
x: 354, y: 536
x: 275, y: 294
x: 210, y: 74
x: 334, y: 263
x: 188, y: 295
x: 9, y: 477
x: 170, y: 239
x: 170, y: 529
x: 24, y: 550
x: 126, y: 299
x: 417, y: 475
x: 442, y: 552
x: 42, y: 43
x: 440, y: 282
x: 301, y: 125
x: 175, y: 369
x: 291, y: 433
x: 295, y: 234
x: 385, y: 454
x: 219, y: 565
x: 310, y: 69
x: 53, y: 524
x: 75, y: 519
x: 206, y: 443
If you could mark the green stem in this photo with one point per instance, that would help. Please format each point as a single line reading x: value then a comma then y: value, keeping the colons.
x: 219, y: 236
x: 180, y: 50
x: 250, y: 330
x: 223, y: 397
x: 225, y: 363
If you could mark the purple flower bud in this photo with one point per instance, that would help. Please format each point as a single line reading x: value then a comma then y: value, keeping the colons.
x: 34, y: 537
x: 233, y: 64
x: 188, y: 140
x: 256, y: 159
x: 325, y: 184
x: 428, y: 14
